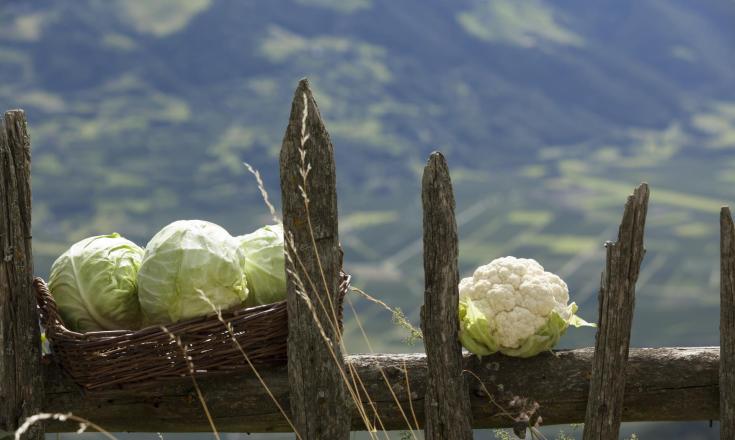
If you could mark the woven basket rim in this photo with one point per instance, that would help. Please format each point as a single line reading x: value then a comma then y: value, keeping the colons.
x: 104, y: 362
x: 50, y: 312
x: 47, y: 303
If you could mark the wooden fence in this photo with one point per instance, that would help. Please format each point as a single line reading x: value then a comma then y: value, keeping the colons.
x: 448, y: 393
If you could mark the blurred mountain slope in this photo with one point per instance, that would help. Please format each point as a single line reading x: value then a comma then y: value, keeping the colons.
x: 549, y: 113
x: 142, y: 112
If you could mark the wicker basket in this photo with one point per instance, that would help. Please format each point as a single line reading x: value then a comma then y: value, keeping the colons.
x: 107, y: 361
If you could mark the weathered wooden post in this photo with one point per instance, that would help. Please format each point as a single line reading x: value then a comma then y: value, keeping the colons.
x: 616, y: 304
x: 316, y: 369
x: 21, y: 383
x: 447, y: 405
x: 727, y: 325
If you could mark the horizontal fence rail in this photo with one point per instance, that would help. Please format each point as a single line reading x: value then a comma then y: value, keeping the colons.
x: 688, y: 390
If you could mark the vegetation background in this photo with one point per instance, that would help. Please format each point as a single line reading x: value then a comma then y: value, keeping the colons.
x: 549, y: 113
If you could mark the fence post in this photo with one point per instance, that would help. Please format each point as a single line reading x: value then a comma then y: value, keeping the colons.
x: 447, y: 404
x: 727, y: 325
x: 316, y: 369
x: 21, y: 384
x: 616, y: 304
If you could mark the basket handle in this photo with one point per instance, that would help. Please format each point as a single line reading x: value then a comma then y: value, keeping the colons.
x: 50, y: 317
x: 344, y: 287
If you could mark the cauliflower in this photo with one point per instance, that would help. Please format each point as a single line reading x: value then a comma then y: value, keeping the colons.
x: 513, y: 306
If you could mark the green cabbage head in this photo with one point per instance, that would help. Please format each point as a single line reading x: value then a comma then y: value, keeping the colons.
x: 514, y: 307
x: 182, y: 262
x: 94, y: 284
x: 264, y: 264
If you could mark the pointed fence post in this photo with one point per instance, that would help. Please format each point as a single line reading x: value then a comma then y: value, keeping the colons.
x: 21, y: 384
x: 316, y: 369
x: 447, y: 405
x: 616, y: 304
x: 727, y: 325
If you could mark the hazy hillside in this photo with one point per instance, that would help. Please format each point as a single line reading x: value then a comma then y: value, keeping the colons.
x: 549, y: 113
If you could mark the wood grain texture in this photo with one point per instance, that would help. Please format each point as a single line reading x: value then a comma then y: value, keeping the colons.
x: 447, y: 403
x: 318, y: 397
x: 727, y: 325
x: 559, y: 382
x: 21, y: 387
x: 616, y: 305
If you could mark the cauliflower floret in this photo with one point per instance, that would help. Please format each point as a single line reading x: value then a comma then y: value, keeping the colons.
x: 515, y: 326
x: 543, y: 293
x: 515, y: 298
